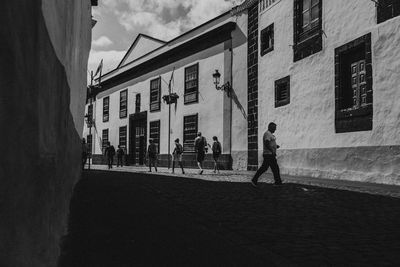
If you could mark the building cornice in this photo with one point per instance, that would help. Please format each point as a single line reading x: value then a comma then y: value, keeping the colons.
x: 195, y: 45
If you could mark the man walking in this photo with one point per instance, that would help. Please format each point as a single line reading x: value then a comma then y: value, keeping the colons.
x: 152, y: 155
x: 269, y: 154
x: 110, y: 152
x: 200, y: 146
x: 177, y: 156
x: 120, y: 155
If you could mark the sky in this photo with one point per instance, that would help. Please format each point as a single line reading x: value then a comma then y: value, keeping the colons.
x: 120, y: 21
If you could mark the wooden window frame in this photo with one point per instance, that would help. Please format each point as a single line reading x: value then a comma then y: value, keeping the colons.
x: 123, y: 104
x: 121, y: 141
x: 306, y: 42
x: 266, y: 4
x: 156, y: 136
x: 106, y: 109
x: 137, y: 103
x: 193, y: 95
x: 350, y: 117
x: 267, y: 40
x: 188, y: 145
x: 89, y: 144
x: 278, y: 83
x: 387, y: 9
x: 104, y: 141
x: 156, y: 104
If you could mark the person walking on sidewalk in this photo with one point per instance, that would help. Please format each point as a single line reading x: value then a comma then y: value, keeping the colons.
x: 177, y: 156
x: 84, y: 152
x: 216, y: 149
x: 152, y: 154
x: 200, y: 146
x: 109, y: 152
x: 269, y: 154
x: 120, y: 154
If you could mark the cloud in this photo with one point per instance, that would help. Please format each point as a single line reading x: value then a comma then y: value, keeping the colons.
x: 166, y: 19
x: 103, y: 41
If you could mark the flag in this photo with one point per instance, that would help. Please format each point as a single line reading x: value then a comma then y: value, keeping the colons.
x: 99, y: 68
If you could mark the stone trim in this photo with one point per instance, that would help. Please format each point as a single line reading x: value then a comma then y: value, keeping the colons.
x: 252, y: 90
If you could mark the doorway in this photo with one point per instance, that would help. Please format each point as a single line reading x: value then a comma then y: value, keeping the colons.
x: 137, y: 138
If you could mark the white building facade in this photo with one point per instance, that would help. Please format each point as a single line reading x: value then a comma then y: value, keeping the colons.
x: 129, y: 109
x: 329, y: 77
x: 326, y: 72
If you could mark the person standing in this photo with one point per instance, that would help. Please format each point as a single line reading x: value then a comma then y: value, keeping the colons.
x: 120, y: 154
x: 177, y: 155
x: 152, y: 154
x: 84, y: 152
x: 110, y: 152
x: 269, y: 154
x: 216, y: 150
x: 200, y: 147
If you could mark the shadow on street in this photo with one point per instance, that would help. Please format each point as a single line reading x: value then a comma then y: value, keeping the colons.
x: 131, y: 219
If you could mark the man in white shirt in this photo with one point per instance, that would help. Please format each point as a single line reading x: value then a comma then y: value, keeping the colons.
x: 269, y: 154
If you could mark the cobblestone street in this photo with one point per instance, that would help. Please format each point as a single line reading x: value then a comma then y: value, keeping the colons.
x: 136, y: 219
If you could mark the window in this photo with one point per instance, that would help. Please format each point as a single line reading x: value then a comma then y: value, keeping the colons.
x: 123, y: 104
x: 307, y: 28
x: 189, y: 132
x: 137, y: 103
x: 191, y: 84
x: 267, y: 39
x: 282, y: 92
x: 122, y: 137
x: 90, y: 112
x: 104, y: 139
x: 266, y: 4
x: 89, y: 141
x: 106, y: 106
x: 155, y: 133
x: 353, y: 86
x: 387, y: 9
x: 155, y: 94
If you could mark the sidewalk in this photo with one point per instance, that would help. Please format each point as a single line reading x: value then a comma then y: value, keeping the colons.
x: 236, y: 176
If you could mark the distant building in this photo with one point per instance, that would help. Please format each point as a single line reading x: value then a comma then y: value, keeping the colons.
x: 130, y: 109
x: 326, y: 72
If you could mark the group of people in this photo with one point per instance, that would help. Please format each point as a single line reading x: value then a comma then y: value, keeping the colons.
x: 200, y: 146
x: 109, y: 152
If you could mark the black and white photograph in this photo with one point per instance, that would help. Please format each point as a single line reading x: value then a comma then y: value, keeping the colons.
x: 200, y: 133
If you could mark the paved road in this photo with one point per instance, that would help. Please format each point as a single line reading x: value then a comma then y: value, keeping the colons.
x: 137, y: 219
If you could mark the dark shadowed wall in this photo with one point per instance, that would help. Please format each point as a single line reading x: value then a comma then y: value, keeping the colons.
x: 44, y: 47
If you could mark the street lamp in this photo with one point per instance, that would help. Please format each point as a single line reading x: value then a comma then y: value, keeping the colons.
x: 217, y: 79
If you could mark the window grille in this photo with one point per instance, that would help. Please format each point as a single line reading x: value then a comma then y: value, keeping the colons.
x: 191, y: 84
x: 190, y: 125
x: 155, y: 94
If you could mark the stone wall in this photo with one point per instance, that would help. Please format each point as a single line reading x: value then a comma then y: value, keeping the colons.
x: 40, y: 92
x: 252, y: 79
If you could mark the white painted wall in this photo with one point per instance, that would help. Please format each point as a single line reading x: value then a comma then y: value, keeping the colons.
x: 239, y: 84
x: 71, y: 46
x: 309, y: 120
x: 143, y: 46
x: 209, y: 107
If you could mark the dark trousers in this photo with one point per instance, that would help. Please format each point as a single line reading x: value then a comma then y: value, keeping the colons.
x: 180, y: 164
x: 269, y: 161
x: 110, y: 161
x: 153, y: 161
x: 119, y: 161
